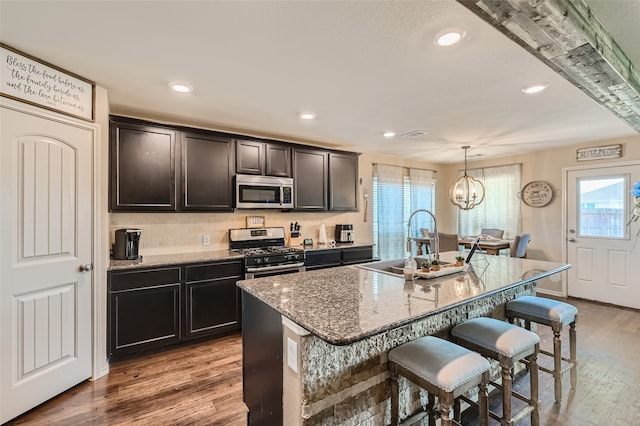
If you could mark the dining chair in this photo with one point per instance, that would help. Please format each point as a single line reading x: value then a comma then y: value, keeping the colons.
x: 493, y: 232
x: 448, y: 242
x: 519, y: 246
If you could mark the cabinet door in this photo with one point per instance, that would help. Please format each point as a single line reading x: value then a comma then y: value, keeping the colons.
x: 143, y: 309
x: 310, y: 179
x: 343, y: 182
x: 278, y: 160
x: 250, y: 157
x: 207, y: 170
x: 142, y: 162
x: 212, y: 298
x: 144, y: 318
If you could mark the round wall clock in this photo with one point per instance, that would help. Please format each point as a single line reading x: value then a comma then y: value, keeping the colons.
x: 537, y: 193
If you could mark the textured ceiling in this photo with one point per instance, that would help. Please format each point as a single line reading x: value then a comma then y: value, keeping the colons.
x: 363, y: 67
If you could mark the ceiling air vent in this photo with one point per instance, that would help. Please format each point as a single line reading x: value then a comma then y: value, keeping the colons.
x: 413, y: 134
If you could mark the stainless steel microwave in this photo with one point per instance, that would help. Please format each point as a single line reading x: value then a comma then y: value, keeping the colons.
x: 263, y: 192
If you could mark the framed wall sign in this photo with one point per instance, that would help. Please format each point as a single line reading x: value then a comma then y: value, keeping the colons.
x: 255, y: 221
x: 537, y: 193
x: 599, y: 152
x: 30, y: 80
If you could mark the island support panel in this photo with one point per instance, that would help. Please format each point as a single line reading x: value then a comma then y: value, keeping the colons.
x: 349, y: 385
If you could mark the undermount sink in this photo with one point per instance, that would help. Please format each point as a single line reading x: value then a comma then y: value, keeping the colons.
x: 393, y: 267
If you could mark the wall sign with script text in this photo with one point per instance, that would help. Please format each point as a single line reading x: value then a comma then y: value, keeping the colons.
x: 27, y: 79
x: 599, y: 152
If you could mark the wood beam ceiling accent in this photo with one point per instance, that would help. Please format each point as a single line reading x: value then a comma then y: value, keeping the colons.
x: 567, y: 37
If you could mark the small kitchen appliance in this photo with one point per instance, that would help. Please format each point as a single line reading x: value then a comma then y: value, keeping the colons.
x: 263, y: 192
x: 265, y: 252
x: 345, y: 233
x: 127, y: 244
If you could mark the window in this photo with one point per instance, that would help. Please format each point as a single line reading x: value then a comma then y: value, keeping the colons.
x: 501, y: 208
x: 397, y: 192
x: 601, y: 202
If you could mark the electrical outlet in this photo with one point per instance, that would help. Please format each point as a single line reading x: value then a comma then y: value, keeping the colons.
x: 206, y: 240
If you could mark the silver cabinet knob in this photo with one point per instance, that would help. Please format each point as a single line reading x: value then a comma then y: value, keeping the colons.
x: 86, y: 267
x: 572, y: 240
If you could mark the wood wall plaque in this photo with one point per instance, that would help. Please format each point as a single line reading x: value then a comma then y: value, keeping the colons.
x: 599, y: 152
x: 28, y: 79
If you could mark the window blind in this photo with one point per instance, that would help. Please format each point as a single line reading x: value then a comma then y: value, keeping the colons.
x: 501, y: 208
x: 398, y: 191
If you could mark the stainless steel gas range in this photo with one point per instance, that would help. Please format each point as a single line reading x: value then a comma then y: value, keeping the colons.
x: 265, y: 252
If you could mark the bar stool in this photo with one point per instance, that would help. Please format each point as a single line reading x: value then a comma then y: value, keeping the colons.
x: 556, y: 315
x: 443, y: 369
x: 506, y: 343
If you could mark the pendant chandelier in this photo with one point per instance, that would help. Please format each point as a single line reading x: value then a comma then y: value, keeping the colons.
x: 466, y: 192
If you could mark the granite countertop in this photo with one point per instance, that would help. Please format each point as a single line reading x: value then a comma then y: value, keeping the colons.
x: 174, y: 259
x: 344, y: 304
x: 206, y: 256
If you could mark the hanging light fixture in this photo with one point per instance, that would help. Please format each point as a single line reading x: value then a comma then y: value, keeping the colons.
x: 466, y: 192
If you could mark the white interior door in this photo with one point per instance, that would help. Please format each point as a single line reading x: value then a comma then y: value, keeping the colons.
x: 602, y: 247
x: 45, y: 237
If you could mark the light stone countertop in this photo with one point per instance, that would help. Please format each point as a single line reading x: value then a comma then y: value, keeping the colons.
x: 174, y: 259
x: 205, y: 256
x: 345, y: 304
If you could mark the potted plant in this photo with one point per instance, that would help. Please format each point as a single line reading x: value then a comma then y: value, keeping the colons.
x: 459, y: 260
x: 426, y: 266
x: 435, y: 265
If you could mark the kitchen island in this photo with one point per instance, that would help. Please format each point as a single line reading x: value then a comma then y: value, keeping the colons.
x: 315, y: 343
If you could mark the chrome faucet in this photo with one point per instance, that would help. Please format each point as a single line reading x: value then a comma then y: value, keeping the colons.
x: 436, y: 241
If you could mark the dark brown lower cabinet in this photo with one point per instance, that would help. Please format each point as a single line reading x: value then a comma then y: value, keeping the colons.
x: 328, y: 258
x: 149, y: 308
x: 212, y: 299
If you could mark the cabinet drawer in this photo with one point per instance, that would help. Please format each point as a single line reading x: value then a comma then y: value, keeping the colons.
x: 132, y: 279
x: 323, y: 258
x: 355, y: 255
x: 213, y: 270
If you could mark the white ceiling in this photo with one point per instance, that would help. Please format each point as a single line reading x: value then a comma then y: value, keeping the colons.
x: 364, y: 67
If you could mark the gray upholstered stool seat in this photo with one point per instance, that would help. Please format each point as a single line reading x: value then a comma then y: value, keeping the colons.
x: 556, y: 315
x: 443, y: 369
x: 507, y: 344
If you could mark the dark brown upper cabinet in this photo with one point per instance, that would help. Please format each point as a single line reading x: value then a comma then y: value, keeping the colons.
x: 263, y: 158
x: 343, y: 181
x: 207, y: 171
x: 142, y: 164
x: 310, y: 171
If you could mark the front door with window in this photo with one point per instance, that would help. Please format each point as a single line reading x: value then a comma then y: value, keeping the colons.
x: 46, y: 168
x: 602, y: 246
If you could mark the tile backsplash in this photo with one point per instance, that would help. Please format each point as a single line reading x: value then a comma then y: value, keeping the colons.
x: 164, y: 233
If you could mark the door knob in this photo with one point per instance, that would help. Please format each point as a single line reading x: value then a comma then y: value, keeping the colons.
x: 86, y: 267
x: 572, y: 240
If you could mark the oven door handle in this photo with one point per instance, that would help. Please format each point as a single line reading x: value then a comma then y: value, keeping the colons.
x: 276, y: 267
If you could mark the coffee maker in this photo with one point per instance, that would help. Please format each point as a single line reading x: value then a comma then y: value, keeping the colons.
x: 127, y: 244
x: 345, y: 233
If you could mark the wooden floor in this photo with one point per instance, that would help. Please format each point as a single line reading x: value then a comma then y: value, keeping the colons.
x: 202, y: 384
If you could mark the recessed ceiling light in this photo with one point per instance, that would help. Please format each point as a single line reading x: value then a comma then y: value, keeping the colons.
x: 389, y: 134
x: 534, y: 88
x: 449, y: 36
x: 307, y: 115
x: 181, y: 87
